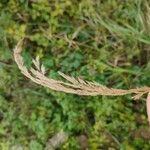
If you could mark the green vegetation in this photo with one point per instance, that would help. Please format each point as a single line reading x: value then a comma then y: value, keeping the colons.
x: 107, y: 41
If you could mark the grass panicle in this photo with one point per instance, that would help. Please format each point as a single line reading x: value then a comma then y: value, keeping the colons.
x: 71, y: 85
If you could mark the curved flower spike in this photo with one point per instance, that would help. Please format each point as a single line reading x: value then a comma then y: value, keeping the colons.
x: 72, y: 85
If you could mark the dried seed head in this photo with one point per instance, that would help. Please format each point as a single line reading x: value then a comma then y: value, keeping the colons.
x: 72, y: 85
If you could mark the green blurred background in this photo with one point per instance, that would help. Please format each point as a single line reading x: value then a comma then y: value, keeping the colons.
x: 107, y: 41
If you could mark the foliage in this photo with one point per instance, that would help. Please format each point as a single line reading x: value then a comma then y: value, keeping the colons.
x: 102, y: 40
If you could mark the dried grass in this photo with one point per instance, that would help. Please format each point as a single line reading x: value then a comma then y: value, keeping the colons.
x: 72, y: 85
